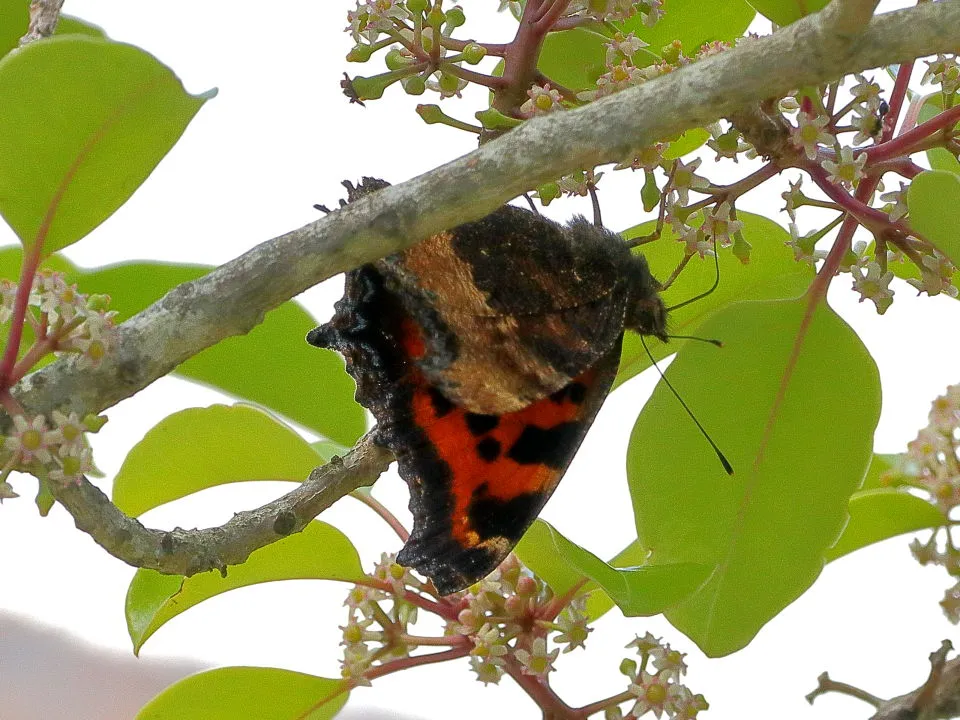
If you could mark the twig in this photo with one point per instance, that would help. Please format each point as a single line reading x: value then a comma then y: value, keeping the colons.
x: 826, y: 685
x: 44, y: 15
x: 937, y: 699
x: 187, y: 552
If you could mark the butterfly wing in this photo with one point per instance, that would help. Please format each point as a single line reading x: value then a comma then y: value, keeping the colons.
x: 477, y: 481
x: 513, y: 306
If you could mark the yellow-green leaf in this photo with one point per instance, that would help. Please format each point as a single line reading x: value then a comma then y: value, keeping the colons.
x: 876, y: 515
x: 933, y: 199
x: 85, y: 120
x: 200, y: 448
x: 258, y: 693
x: 795, y: 420
x: 320, y: 552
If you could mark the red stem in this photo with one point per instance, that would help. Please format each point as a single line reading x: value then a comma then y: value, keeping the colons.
x: 496, y: 49
x: 520, y: 55
x: 491, y: 81
x: 384, y: 512
x: 40, y: 348
x: 444, y: 641
x: 558, y: 603
x: 540, y: 692
x: 31, y: 262
x: 442, y: 608
x: 385, y: 669
x: 10, y: 404
x: 595, y: 707
x: 869, y: 217
x: 904, y: 144
x: 897, y: 97
x: 416, y: 661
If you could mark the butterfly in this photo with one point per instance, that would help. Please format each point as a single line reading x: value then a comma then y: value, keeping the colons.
x: 485, y: 352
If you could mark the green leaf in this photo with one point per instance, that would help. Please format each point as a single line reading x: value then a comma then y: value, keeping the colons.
x: 537, y: 551
x: 876, y: 515
x: 784, y: 12
x: 646, y: 590
x: 320, y: 552
x: 233, y: 692
x: 84, y: 122
x: 598, y: 602
x: 799, y: 453
x: 14, y: 19
x: 933, y: 198
x: 878, y: 466
x: 636, y: 590
x: 68, y: 25
x: 771, y: 274
x: 693, y: 24
x: 200, y: 448
x: 270, y: 365
x: 574, y: 58
x: 686, y: 143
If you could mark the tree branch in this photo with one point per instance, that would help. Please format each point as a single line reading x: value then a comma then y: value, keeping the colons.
x: 187, y: 552
x: 232, y: 299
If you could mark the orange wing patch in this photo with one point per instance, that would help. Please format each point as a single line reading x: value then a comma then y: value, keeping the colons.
x: 502, y: 466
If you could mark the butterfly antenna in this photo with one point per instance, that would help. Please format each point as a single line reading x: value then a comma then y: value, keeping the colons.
x: 723, y: 459
x: 717, y: 343
x: 597, y: 220
x: 716, y: 282
x: 533, y: 208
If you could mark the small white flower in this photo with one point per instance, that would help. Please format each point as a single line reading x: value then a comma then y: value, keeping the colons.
x: 32, y: 440
x: 686, y: 179
x: 899, y: 200
x: 542, y: 100
x: 537, y: 661
x: 719, y: 225
x: 621, y: 47
x: 73, y: 466
x: 867, y: 92
x: 810, y: 134
x: 873, y: 285
x: 848, y: 171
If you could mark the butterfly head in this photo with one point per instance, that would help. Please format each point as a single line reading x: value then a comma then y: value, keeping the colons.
x: 646, y: 312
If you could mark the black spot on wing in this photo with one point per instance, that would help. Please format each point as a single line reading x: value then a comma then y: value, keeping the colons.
x: 575, y: 392
x: 488, y: 449
x: 481, y: 424
x: 546, y: 446
x: 492, y: 517
x: 441, y: 405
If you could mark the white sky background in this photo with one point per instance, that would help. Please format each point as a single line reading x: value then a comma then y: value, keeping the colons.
x: 280, y: 137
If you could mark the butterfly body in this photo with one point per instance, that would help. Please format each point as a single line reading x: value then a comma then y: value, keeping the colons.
x: 484, y: 353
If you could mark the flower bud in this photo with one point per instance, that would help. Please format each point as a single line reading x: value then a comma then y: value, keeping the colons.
x: 414, y: 85
x: 474, y: 53
x: 360, y: 53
